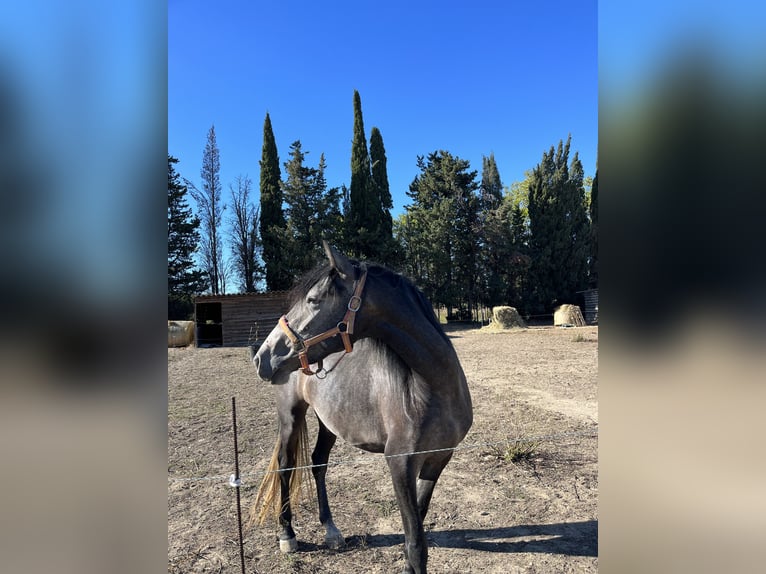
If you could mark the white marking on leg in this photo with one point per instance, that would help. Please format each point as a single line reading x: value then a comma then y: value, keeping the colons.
x: 288, y: 546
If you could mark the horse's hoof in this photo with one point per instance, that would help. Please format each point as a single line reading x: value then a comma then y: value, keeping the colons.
x: 334, y: 540
x: 288, y: 546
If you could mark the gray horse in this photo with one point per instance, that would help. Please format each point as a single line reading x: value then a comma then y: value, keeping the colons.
x: 385, y: 378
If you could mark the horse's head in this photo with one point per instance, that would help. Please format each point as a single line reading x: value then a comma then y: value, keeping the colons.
x: 320, y: 320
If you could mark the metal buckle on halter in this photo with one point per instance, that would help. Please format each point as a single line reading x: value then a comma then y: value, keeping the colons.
x: 354, y: 303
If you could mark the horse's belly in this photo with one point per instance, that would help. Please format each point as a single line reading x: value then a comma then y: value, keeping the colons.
x: 355, y: 427
x: 351, y: 413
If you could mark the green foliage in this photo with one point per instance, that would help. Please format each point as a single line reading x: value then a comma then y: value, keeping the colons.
x: 313, y: 212
x: 492, y: 234
x: 368, y: 222
x: 531, y: 245
x: 360, y: 218
x: 438, y: 233
x: 593, y: 263
x: 184, y: 279
x: 491, y: 189
x: 272, y: 221
x: 385, y: 244
x: 559, y: 231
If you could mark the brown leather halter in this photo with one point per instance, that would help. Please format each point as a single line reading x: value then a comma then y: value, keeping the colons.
x: 344, y: 328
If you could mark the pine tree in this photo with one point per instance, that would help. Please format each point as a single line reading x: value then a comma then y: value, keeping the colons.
x: 559, y: 230
x: 441, y: 225
x: 184, y: 280
x: 328, y: 209
x: 272, y: 222
x: 210, y: 209
x: 313, y: 212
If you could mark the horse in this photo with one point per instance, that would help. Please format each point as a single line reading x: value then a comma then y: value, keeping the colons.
x: 362, y: 346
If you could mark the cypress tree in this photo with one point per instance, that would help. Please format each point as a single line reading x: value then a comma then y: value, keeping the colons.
x: 360, y: 227
x: 490, y: 234
x: 558, y: 229
x: 491, y: 189
x: 593, y: 267
x: 381, y: 198
x: 272, y: 222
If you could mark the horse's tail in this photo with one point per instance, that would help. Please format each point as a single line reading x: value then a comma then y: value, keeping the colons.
x: 268, y: 501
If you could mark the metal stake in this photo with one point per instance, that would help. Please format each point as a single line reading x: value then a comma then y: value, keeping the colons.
x: 236, y: 483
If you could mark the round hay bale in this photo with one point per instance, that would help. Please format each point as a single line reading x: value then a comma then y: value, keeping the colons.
x: 568, y: 316
x: 506, y: 318
x: 180, y: 333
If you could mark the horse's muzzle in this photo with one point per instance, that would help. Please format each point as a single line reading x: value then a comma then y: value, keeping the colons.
x: 272, y: 369
x: 257, y: 362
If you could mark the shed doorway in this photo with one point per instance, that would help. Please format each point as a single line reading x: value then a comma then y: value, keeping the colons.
x: 209, y: 325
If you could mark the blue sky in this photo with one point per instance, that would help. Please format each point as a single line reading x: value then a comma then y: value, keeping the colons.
x: 512, y: 78
x: 639, y: 40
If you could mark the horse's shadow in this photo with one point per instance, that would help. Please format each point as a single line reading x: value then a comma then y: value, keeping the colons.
x: 568, y: 538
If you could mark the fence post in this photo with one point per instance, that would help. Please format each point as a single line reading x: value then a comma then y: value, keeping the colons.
x: 236, y: 482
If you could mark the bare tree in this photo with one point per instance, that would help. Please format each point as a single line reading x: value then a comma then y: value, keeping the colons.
x: 209, y: 210
x: 244, y: 235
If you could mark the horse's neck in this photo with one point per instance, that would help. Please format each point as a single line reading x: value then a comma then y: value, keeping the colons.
x: 427, y: 354
x: 421, y: 345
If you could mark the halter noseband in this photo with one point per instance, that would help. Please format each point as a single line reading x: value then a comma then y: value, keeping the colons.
x: 344, y: 328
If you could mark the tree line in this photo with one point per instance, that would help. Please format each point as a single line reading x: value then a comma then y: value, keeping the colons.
x: 467, y: 240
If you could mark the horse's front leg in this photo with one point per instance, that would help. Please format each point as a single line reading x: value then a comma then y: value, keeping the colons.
x: 287, y: 540
x: 325, y: 441
x: 404, y: 474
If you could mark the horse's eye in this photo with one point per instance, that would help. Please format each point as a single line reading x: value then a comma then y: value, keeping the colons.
x: 313, y: 301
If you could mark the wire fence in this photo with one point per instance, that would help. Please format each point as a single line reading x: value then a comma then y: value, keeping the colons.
x: 228, y: 478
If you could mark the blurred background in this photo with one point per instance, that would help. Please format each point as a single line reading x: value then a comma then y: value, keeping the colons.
x: 682, y: 118
x: 82, y: 311
x: 682, y: 90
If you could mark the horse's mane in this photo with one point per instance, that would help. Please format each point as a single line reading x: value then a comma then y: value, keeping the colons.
x: 398, y: 281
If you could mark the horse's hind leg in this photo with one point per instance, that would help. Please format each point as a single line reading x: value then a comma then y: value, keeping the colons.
x: 414, y: 497
x: 320, y: 456
x: 429, y: 474
x: 403, y: 474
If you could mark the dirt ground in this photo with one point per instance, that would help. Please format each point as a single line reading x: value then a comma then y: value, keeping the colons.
x: 519, y: 496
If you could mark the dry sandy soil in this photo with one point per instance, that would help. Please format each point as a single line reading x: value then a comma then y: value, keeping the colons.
x: 519, y: 496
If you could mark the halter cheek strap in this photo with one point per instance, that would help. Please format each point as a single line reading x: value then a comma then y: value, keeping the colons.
x: 344, y: 328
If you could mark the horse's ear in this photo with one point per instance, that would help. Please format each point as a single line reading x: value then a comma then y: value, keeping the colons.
x: 338, y: 261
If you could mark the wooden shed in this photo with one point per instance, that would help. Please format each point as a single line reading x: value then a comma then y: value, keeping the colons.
x: 237, y: 320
